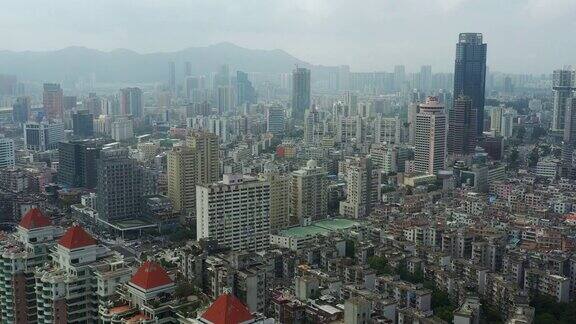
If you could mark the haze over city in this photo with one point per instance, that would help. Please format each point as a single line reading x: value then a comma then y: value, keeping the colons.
x: 524, y: 36
x: 288, y: 162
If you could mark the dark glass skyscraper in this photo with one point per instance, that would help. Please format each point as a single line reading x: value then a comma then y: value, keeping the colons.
x: 300, y: 93
x: 470, y: 73
x: 245, y: 92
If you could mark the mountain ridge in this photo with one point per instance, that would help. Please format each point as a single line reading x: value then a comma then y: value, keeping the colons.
x: 125, y: 65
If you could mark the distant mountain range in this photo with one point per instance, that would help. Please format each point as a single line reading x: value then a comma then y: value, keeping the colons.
x: 123, y: 65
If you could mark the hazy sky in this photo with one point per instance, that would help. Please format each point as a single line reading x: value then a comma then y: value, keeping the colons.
x: 522, y: 35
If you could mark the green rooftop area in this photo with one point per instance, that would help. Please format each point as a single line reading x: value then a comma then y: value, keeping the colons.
x: 320, y: 227
x: 128, y: 224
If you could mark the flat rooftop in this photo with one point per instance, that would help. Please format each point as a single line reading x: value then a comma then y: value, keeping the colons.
x: 320, y: 227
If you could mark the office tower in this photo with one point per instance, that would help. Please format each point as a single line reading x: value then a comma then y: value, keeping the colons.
x: 52, y: 100
x: 172, y: 77
x: 563, y: 85
x: 470, y: 73
x: 569, y: 141
x: 362, y: 187
x: 311, y: 126
x: 462, y: 127
x: 412, y: 112
x: 131, y: 102
x: 507, y: 124
x: 20, y: 110
x: 245, y: 92
x: 83, y: 124
x: 69, y: 103
x: 235, y: 212
x: 300, y: 93
x: 430, y: 137
x: 122, y: 129
x: 77, y: 164
x: 387, y: 130
x: 80, y: 277
x: 8, y: 85
x: 224, y: 99
x: 426, y: 78
x: 496, y: 115
x: 119, y: 186
x: 6, y: 152
x: 182, y: 179
x: 279, y: 198
x: 351, y: 104
x: 207, y: 151
x: 309, y: 194
x: 399, y: 77
x: 275, y: 120
x: 20, y: 254
x: 187, y: 69
x: 93, y: 104
x: 43, y: 136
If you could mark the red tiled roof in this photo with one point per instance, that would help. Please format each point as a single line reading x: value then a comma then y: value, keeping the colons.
x: 150, y: 275
x: 227, y: 309
x: 76, y: 237
x: 34, y: 219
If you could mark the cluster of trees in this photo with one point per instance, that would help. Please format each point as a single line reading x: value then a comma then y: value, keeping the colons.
x: 549, y: 311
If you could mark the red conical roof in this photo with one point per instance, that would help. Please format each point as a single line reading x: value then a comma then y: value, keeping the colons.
x: 227, y: 309
x: 34, y: 219
x: 150, y: 275
x: 76, y: 237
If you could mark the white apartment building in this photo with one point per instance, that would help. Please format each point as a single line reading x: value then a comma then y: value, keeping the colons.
x: 6, y: 152
x: 235, y: 212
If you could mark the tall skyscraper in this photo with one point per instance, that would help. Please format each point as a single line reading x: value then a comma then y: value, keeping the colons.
x: 563, y: 85
x: 21, y: 109
x: 309, y: 194
x: 235, y: 212
x: 222, y: 77
x: 6, y: 152
x: 43, y: 136
x: 245, y: 92
x: 83, y: 124
x: 77, y: 164
x: 119, y: 186
x: 430, y: 137
x: 470, y: 73
x: 569, y: 141
x: 362, y: 187
x: 53, y: 101
x: 172, y: 77
x: 426, y: 78
x: 275, y: 120
x: 131, y: 102
x: 462, y: 127
x: 496, y: 115
x: 182, y: 179
x: 224, y: 99
x: 207, y: 151
x: 300, y: 93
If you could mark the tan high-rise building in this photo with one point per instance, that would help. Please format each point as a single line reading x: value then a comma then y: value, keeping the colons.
x: 430, y: 137
x: 363, y: 187
x: 207, y: 156
x: 52, y: 100
x: 279, y: 199
x: 309, y: 194
x: 182, y: 179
